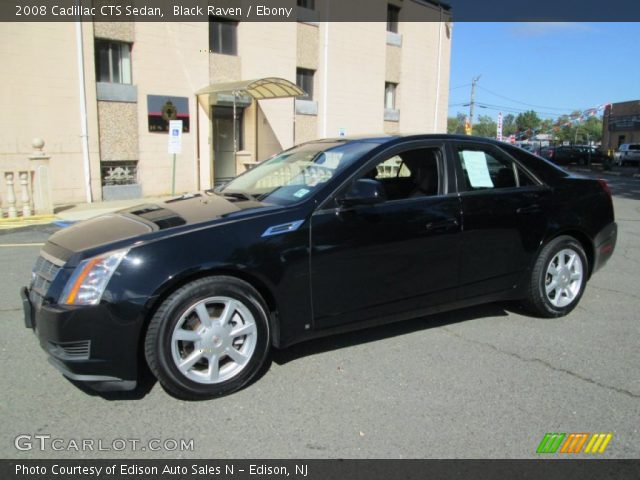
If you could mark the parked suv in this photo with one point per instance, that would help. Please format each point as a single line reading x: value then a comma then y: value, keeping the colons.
x: 627, y: 153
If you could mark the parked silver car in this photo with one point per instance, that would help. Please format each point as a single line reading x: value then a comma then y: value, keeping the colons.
x: 627, y: 153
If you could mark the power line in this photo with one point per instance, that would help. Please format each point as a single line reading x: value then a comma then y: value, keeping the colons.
x: 504, y: 108
x: 527, y: 104
x: 491, y: 106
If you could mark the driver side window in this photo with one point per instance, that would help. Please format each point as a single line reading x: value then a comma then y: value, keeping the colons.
x: 411, y: 174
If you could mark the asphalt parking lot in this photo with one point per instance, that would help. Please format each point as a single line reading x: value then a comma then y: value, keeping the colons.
x: 477, y: 383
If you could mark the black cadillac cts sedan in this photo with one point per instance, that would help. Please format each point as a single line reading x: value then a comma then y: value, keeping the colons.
x: 328, y: 236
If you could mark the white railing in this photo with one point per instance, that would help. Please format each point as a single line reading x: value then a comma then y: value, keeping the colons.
x: 25, y: 191
x: 17, y: 198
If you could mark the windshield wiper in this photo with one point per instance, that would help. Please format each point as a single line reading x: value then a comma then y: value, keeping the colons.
x: 238, y: 195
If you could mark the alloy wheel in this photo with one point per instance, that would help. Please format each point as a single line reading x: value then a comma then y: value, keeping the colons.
x: 563, y: 279
x: 214, y: 340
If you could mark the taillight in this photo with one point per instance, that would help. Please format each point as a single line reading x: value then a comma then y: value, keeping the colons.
x: 605, y: 186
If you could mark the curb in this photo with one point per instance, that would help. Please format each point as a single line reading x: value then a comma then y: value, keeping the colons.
x: 23, y: 219
x: 20, y: 222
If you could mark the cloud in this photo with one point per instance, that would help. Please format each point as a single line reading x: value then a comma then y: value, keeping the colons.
x: 539, y: 29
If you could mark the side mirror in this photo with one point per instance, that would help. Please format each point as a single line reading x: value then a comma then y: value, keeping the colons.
x: 363, y: 192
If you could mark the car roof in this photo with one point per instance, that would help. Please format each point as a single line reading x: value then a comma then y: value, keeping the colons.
x: 382, y: 139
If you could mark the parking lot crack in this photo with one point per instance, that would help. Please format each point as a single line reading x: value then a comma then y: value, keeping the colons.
x: 543, y: 363
x: 626, y: 294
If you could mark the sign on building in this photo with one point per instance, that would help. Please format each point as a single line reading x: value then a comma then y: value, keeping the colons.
x: 161, y: 109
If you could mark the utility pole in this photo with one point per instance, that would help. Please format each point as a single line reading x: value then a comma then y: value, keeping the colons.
x: 472, y: 103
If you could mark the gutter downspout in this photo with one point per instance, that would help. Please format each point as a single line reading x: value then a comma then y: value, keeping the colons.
x: 436, y: 109
x: 82, y: 92
x: 325, y: 80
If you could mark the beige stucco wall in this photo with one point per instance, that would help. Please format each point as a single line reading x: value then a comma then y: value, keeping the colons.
x: 118, y: 123
x: 391, y: 128
x: 169, y: 59
x: 224, y: 68
x: 308, y: 47
x: 121, y: 31
x: 393, y: 64
x: 40, y: 98
x: 355, y: 78
x: 419, y: 77
x: 306, y: 128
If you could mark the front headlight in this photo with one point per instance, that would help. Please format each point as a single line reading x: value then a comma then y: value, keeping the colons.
x: 90, y: 278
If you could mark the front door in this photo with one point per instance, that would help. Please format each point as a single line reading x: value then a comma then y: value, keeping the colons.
x: 224, y: 146
x: 392, y: 258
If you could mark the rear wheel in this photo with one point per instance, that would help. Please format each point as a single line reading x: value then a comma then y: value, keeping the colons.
x: 558, y: 278
x: 209, y: 338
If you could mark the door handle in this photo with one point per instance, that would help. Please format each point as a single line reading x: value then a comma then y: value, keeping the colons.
x: 442, y: 225
x: 529, y: 209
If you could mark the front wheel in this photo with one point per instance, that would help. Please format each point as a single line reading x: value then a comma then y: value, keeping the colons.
x: 558, y: 278
x: 208, y: 338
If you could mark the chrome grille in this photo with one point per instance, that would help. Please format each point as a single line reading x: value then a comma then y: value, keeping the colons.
x: 44, y: 272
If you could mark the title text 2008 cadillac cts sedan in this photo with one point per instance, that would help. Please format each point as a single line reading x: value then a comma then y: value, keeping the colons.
x: 327, y: 236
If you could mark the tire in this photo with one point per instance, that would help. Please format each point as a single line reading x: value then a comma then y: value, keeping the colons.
x: 553, y: 291
x: 209, y: 338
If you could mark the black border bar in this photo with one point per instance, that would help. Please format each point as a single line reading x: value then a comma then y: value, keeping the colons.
x: 548, y: 469
x: 325, y: 10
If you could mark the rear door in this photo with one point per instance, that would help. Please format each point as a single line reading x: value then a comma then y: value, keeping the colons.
x: 504, y: 218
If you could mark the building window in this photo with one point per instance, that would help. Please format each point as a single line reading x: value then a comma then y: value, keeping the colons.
x: 223, y: 36
x: 390, y: 90
x: 309, y: 4
x: 304, y: 80
x: 393, y: 14
x: 113, y: 61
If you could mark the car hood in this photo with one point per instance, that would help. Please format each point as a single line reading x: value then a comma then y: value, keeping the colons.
x: 150, y: 218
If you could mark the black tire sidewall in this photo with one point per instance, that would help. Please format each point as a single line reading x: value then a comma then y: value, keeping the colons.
x: 169, y: 315
x: 558, y: 244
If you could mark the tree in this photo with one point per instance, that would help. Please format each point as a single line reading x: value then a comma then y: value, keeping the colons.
x: 592, y: 128
x: 587, y: 131
x: 456, y: 124
x: 485, y: 127
x: 509, y: 125
x: 527, y: 121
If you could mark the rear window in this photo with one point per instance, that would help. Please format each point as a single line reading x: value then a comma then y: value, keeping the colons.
x: 635, y: 146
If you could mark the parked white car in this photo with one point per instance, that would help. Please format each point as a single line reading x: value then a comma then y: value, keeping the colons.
x: 627, y: 153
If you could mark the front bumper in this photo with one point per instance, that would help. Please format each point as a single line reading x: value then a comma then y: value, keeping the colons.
x: 604, y: 244
x: 90, y: 344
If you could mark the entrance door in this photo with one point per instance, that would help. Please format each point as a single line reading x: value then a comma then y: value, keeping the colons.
x: 224, y: 162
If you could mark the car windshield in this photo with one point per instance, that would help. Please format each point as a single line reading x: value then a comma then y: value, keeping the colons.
x: 294, y: 174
